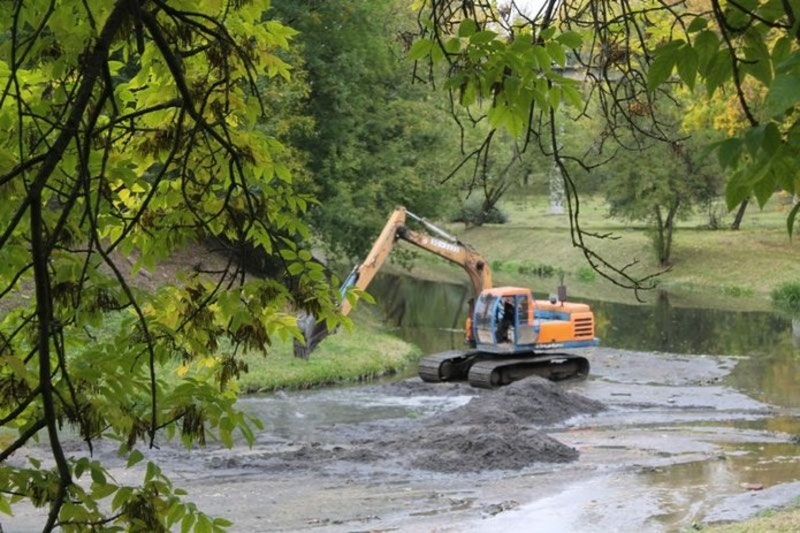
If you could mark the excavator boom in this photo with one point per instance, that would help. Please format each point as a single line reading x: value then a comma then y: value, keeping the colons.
x: 439, y: 243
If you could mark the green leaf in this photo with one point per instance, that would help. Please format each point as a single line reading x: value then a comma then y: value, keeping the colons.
x: 790, y: 64
x: 792, y: 216
x: 698, y: 24
x: 289, y: 255
x: 467, y: 28
x: 420, y: 49
x: 705, y: 44
x: 554, y: 97
x: 570, y: 39
x: 134, y: 458
x: 556, y: 51
x: 687, y: 66
x: 295, y: 268
x: 482, y: 37
x: 661, y: 67
x: 719, y: 70
x: 542, y: 57
x: 547, y: 33
x: 573, y: 96
x: 783, y: 94
x: 187, y: 523
x: 729, y: 151
x: 453, y: 46
x: 203, y: 524
x: 753, y: 138
x: 765, y: 186
x: 736, y: 191
x: 5, y: 507
x: 100, y: 491
x: 781, y: 50
x: 772, y: 138
x: 97, y: 475
x: 151, y: 472
x: 283, y: 173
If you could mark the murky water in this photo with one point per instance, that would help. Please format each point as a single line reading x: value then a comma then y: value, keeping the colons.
x: 675, y: 447
x: 430, y: 314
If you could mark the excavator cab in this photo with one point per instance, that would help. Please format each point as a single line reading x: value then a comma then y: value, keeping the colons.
x: 507, y: 320
x: 500, y: 320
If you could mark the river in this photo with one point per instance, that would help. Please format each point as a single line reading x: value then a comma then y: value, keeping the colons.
x: 702, y: 425
x: 430, y: 314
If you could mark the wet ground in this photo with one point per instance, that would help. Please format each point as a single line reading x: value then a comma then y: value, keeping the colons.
x: 676, y: 446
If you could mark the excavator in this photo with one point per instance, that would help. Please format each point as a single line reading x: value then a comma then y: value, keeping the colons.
x: 509, y: 335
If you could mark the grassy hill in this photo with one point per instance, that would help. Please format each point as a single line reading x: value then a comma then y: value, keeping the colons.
x: 714, y: 267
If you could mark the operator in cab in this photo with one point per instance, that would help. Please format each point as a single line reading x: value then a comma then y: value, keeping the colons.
x: 505, y: 320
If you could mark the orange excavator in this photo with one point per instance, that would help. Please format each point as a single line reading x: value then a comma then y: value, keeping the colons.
x: 508, y: 334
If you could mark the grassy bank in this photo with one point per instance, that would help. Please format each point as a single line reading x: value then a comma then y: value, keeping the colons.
x: 715, y: 266
x: 348, y: 356
x: 786, y: 521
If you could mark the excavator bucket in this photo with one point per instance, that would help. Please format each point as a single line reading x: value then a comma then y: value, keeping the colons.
x: 313, y: 333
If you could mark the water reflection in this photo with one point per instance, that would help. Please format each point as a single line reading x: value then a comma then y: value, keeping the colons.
x: 430, y: 314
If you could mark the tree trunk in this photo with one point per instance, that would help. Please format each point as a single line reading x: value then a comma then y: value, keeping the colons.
x: 669, y: 226
x: 658, y: 238
x: 739, y: 215
x: 557, y: 192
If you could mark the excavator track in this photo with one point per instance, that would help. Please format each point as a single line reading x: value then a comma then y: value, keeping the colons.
x: 496, y: 372
x: 446, y: 366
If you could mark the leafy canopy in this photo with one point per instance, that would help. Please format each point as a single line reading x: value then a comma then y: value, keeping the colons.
x: 516, y: 68
x: 131, y: 129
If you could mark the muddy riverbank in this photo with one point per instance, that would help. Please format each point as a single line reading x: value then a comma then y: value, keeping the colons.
x: 674, y: 445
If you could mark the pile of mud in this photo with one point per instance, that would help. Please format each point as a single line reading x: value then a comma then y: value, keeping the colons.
x: 531, y: 401
x: 495, y: 447
x: 496, y: 430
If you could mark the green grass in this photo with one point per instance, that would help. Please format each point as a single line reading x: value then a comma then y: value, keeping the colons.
x: 347, y: 356
x: 712, y: 267
x: 786, y: 521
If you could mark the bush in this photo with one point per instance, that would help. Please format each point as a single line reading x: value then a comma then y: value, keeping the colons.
x: 541, y: 270
x: 736, y: 291
x: 470, y: 214
x: 586, y: 274
x: 786, y: 298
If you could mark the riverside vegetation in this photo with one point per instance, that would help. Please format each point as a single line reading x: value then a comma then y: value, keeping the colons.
x: 717, y: 267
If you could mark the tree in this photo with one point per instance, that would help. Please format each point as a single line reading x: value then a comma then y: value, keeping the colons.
x: 380, y: 140
x: 136, y: 127
x: 659, y: 184
x: 514, y: 65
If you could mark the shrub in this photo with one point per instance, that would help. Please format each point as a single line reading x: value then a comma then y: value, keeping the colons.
x: 736, y: 291
x: 471, y: 214
x: 541, y: 270
x: 586, y: 274
x: 786, y: 298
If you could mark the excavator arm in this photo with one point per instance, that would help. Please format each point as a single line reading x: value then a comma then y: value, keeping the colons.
x: 439, y: 242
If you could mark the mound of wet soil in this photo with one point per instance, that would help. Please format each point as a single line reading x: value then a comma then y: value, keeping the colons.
x: 470, y: 448
x: 496, y: 429
x: 533, y: 401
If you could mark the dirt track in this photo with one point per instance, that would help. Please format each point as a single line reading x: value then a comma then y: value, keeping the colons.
x: 673, y: 446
